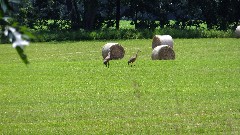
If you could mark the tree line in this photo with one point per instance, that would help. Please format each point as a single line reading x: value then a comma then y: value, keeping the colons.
x: 143, y: 14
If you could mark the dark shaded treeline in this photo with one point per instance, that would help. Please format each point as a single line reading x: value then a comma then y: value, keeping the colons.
x: 94, y: 14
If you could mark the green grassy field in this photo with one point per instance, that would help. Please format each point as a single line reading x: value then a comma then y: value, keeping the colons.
x: 67, y: 90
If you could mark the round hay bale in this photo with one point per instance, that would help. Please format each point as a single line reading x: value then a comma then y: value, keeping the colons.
x: 163, y: 52
x: 237, y: 31
x: 115, y: 49
x: 162, y: 40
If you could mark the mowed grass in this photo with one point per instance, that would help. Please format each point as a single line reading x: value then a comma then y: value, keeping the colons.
x: 67, y: 90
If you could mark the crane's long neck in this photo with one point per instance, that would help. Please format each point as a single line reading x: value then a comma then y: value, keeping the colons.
x: 137, y: 54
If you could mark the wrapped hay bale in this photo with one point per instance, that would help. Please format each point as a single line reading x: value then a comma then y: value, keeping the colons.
x: 163, y: 52
x: 237, y: 31
x: 162, y: 40
x: 115, y: 49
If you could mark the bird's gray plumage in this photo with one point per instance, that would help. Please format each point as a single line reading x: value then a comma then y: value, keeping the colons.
x: 107, y: 59
x: 133, y: 58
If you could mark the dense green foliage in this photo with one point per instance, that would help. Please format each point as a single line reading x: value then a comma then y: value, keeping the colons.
x: 127, y: 31
x: 113, y: 34
x: 79, y: 20
x: 67, y: 90
x: 76, y: 14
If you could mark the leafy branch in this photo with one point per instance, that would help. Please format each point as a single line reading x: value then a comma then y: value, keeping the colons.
x: 16, y: 34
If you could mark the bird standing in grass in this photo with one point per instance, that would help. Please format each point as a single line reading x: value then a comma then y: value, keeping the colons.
x: 133, y: 58
x: 107, y: 59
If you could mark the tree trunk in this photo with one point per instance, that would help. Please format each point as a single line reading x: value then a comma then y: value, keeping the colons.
x: 75, y: 16
x: 118, y: 14
x: 90, y: 12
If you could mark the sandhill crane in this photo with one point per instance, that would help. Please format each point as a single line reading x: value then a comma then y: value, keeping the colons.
x: 107, y: 59
x: 133, y: 58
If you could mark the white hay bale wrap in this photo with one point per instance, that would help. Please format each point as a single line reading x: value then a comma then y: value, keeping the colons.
x: 115, y: 49
x: 162, y: 40
x: 237, y: 31
x: 163, y: 52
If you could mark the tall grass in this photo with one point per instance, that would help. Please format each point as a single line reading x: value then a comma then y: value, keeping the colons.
x: 67, y: 90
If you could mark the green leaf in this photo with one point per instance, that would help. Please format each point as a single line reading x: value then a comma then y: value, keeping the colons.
x: 15, y: 1
x: 5, y: 6
x: 24, y: 30
x: 1, y: 14
x: 22, y: 55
